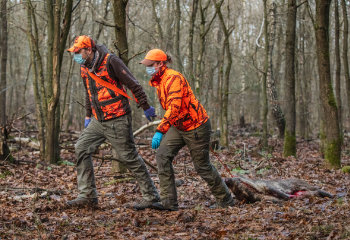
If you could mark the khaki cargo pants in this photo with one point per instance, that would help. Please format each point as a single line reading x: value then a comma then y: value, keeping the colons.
x: 118, y: 132
x: 197, y: 141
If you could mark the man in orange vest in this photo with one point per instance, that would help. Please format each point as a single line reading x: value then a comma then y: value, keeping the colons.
x: 111, y: 120
x: 185, y: 122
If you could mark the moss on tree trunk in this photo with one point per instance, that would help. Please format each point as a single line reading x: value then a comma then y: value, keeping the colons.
x: 289, y: 148
x: 332, y: 153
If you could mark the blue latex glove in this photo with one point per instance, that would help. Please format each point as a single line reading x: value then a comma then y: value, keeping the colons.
x: 150, y: 113
x: 87, y: 121
x: 157, y: 138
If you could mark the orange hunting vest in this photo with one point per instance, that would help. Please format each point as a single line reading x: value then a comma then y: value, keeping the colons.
x: 106, y: 104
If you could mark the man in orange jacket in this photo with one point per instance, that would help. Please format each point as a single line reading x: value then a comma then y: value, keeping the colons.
x: 111, y: 120
x: 185, y: 122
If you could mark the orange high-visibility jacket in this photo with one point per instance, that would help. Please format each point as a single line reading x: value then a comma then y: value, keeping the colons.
x: 183, y: 110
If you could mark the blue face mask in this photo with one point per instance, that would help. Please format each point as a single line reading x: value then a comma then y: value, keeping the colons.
x: 151, y: 71
x: 79, y: 58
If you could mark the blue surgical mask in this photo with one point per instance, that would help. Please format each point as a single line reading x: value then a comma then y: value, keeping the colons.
x: 79, y: 58
x: 151, y: 71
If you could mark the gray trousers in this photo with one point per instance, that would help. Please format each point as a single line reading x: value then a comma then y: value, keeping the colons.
x: 197, y: 141
x: 118, y: 132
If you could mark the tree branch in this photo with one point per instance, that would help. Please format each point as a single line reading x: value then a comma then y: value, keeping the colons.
x: 135, y: 25
x: 107, y: 24
x: 211, y: 21
x: 301, y: 4
x: 100, y: 19
x: 137, y: 54
x: 310, y: 13
x: 76, y: 5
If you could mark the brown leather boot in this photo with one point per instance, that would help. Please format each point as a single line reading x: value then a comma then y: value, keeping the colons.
x: 143, y: 204
x: 81, y: 202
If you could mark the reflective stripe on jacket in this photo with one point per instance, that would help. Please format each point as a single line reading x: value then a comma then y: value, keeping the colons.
x: 183, y: 110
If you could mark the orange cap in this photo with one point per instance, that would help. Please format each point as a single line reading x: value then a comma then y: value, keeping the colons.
x: 154, y: 55
x: 80, y: 43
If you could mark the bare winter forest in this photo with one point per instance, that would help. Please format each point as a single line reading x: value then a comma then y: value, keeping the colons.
x: 273, y: 76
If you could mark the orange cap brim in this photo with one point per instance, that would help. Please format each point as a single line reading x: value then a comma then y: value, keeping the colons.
x: 73, y: 49
x: 147, y: 62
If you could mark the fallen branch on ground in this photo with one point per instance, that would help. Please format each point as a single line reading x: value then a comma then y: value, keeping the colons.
x: 144, y: 127
x: 32, y: 190
x: 27, y: 141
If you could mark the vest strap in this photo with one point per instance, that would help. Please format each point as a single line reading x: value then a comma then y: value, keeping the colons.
x: 109, y: 85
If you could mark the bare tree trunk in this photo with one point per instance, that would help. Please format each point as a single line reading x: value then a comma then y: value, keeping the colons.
x: 210, y: 94
x: 100, y: 27
x: 66, y: 89
x: 220, y: 90
x: 243, y: 82
x: 330, y: 137
x: 168, y: 37
x: 337, y: 63
x: 258, y: 113
x: 158, y: 25
x: 53, y: 79
x: 119, y: 13
x: 203, y: 31
x: 47, y: 98
x: 54, y: 73
x: 303, y: 80
x: 177, y: 36
x: 220, y: 52
x: 70, y: 110
x: 9, y: 90
x: 3, y: 60
x: 53, y: 11
x: 345, y: 52
x: 190, y: 70
x: 271, y: 83
x: 226, y: 81
x: 4, y: 149
x: 264, y: 81
x: 38, y: 77
x: 280, y: 36
x: 289, y: 148
x: 198, y: 66
x: 26, y: 82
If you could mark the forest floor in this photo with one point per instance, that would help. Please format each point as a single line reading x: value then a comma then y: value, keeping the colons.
x: 32, y: 197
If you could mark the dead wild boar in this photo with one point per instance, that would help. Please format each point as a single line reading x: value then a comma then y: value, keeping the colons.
x: 249, y: 190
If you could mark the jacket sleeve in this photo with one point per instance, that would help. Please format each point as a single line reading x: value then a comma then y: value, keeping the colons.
x: 121, y: 72
x: 174, y: 94
x: 87, y: 101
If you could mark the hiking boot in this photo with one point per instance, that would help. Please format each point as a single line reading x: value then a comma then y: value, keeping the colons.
x: 81, y: 202
x: 168, y: 207
x: 167, y: 204
x: 221, y: 204
x: 143, y: 204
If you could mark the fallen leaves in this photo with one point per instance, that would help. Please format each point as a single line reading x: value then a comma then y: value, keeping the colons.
x: 42, y: 215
